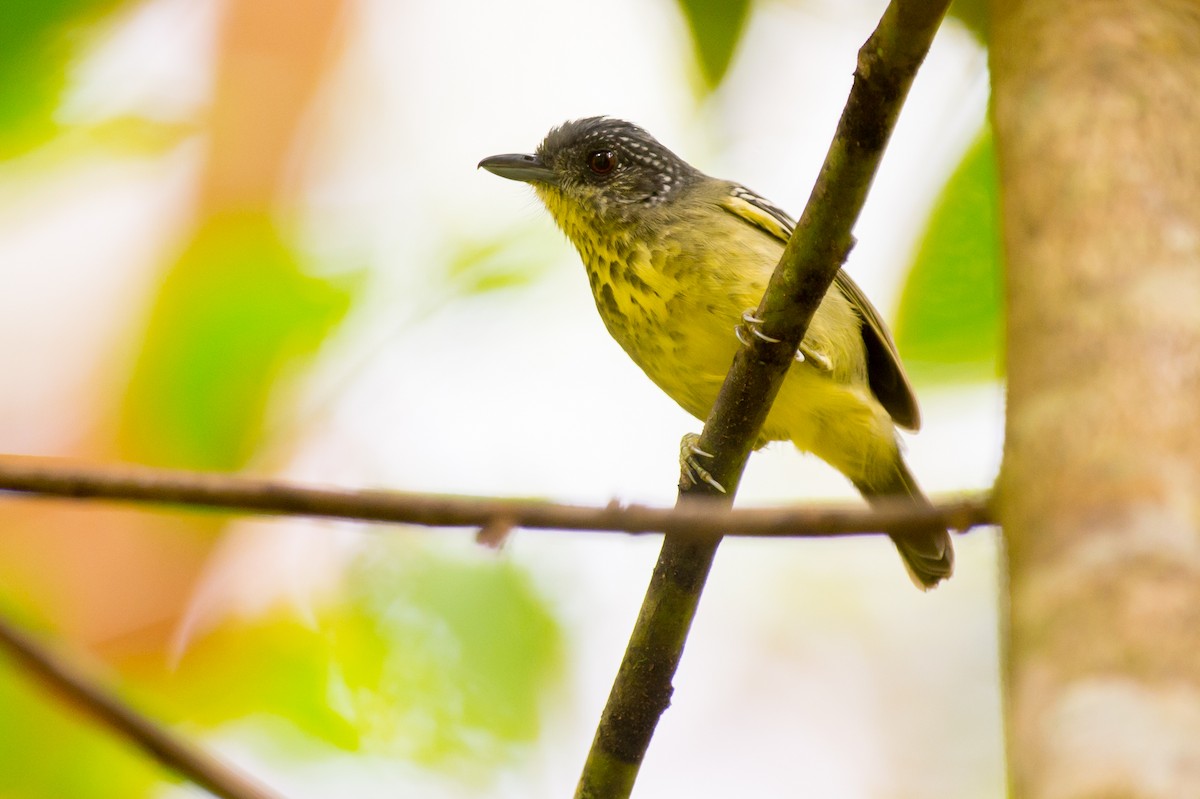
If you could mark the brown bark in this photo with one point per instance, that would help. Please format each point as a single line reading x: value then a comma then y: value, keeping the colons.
x: 1097, y: 122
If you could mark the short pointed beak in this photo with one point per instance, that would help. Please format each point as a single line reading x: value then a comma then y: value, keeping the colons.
x: 518, y: 166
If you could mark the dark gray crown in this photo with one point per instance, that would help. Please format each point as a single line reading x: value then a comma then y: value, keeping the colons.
x: 645, y: 170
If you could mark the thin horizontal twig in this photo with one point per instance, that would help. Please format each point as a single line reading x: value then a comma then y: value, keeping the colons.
x: 50, y: 478
x: 168, y: 749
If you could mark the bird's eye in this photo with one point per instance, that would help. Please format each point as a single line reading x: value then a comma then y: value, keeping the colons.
x: 602, y: 161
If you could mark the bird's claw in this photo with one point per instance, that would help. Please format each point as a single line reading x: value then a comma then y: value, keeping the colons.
x: 752, y: 323
x: 816, y: 358
x: 691, y: 472
x: 749, y: 318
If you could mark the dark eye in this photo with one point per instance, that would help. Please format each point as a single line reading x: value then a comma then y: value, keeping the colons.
x: 602, y: 161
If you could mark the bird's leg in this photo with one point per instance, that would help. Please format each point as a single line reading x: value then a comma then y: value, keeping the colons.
x: 691, y: 472
x: 751, y: 325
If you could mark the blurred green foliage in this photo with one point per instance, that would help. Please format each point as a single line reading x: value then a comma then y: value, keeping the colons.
x: 272, y: 664
x: 444, y: 659
x: 949, y: 326
x: 232, y: 314
x: 716, y: 27
x: 35, y: 52
x: 432, y: 657
x: 48, y: 751
x: 512, y: 259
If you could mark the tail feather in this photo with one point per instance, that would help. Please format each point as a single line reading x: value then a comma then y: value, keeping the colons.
x: 928, y: 554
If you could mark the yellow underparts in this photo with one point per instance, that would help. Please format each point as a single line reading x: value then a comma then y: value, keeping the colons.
x: 676, y: 317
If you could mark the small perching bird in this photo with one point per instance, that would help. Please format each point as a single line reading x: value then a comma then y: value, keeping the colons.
x: 675, y: 258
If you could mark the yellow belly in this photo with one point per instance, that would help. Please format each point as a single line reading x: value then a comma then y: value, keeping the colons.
x: 676, y: 318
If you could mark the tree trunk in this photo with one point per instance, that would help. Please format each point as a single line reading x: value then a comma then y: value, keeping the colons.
x: 1097, y: 117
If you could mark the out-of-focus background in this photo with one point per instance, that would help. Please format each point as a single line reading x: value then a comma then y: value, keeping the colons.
x: 250, y: 236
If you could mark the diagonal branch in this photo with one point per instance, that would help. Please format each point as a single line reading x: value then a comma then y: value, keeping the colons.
x: 156, y: 742
x: 52, y: 478
x: 887, y: 64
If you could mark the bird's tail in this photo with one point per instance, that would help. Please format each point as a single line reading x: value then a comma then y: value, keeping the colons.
x: 928, y: 554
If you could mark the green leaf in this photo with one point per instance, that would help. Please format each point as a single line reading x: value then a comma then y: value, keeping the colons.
x: 233, y: 313
x: 273, y: 665
x: 445, y: 660
x: 440, y: 659
x: 950, y: 322
x: 35, y: 50
x: 716, y: 27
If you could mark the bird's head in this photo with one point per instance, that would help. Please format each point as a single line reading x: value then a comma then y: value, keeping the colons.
x: 599, y: 172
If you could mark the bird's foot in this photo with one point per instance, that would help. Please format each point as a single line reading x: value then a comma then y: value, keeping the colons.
x: 752, y: 326
x: 691, y: 472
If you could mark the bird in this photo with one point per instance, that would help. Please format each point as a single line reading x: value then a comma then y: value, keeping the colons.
x: 674, y: 259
